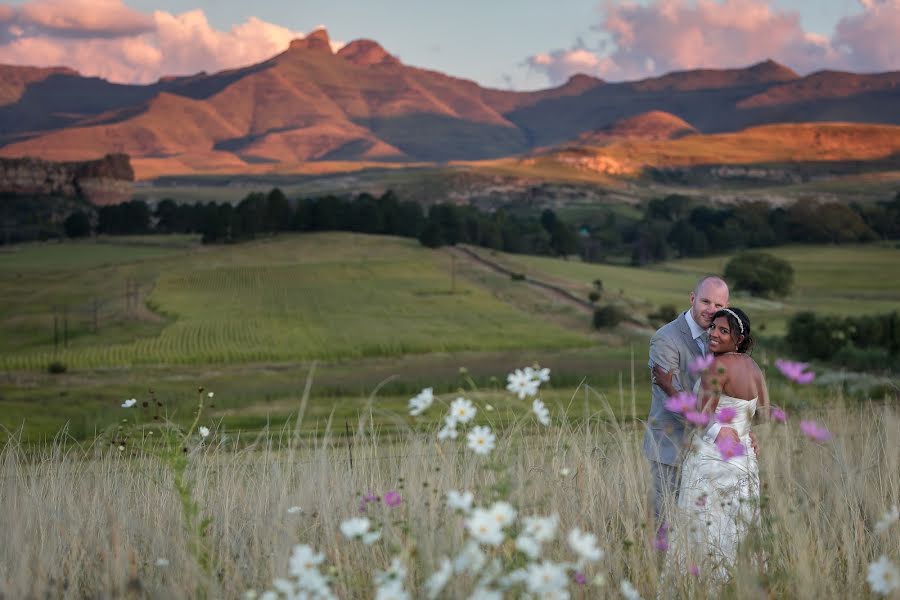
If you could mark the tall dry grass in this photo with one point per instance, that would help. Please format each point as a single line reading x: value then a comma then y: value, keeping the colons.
x: 93, y: 521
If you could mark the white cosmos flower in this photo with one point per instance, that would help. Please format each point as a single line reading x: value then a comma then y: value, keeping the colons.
x: 519, y: 382
x: 395, y: 572
x: 129, y: 403
x: 541, y: 412
x: 883, y: 576
x: 546, y: 577
x: 470, y: 558
x: 448, y: 431
x: 355, y: 527
x: 421, y: 402
x: 286, y: 587
x: 210, y: 395
x: 204, y: 431
x: 503, y: 513
x: 484, y: 527
x: 888, y: 519
x: 438, y: 580
x: 460, y: 500
x: 585, y: 545
x: 162, y: 562
x: 304, y: 559
x: 462, y: 410
x: 371, y: 537
x: 483, y: 593
x: 481, y: 440
x: 528, y: 546
x: 294, y: 510
x: 628, y: 591
x: 542, y: 529
x: 392, y: 590
x: 539, y: 375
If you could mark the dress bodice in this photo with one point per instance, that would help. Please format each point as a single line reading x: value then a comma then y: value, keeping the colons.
x: 743, y: 409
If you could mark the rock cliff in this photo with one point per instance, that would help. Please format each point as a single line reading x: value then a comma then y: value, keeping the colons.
x: 108, y: 180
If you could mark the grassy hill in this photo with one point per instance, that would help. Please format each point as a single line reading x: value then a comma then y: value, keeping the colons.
x: 828, y: 279
x: 331, y: 296
x: 248, y: 321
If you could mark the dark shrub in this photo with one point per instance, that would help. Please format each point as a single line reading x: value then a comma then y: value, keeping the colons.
x: 608, y: 316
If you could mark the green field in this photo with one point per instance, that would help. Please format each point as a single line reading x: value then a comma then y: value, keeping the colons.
x: 848, y: 279
x: 248, y: 321
x: 330, y: 296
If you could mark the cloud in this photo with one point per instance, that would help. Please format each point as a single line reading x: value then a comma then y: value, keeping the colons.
x: 667, y: 35
x: 88, y: 18
x: 868, y: 41
x: 105, y: 38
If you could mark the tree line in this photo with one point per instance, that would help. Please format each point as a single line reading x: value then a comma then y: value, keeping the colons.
x: 264, y: 214
x: 863, y: 342
x: 669, y: 227
x: 678, y: 226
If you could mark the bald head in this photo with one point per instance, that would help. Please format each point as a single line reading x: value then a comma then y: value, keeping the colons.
x: 709, y: 295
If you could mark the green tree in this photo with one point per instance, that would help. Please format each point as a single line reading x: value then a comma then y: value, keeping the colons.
x: 78, y: 224
x: 760, y: 274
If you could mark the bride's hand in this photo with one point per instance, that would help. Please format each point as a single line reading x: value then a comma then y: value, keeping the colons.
x: 727, y: 433
x: 663, y: 379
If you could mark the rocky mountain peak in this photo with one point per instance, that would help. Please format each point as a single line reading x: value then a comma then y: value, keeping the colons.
x: 366, y: 52
x: 318, y: 40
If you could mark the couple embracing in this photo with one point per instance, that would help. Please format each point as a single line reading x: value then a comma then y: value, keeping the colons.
x: 702, y: 452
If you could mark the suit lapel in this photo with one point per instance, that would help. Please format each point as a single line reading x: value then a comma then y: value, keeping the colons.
x: 689, y: 340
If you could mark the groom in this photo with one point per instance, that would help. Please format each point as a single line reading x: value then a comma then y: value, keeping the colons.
x: 672, y: 348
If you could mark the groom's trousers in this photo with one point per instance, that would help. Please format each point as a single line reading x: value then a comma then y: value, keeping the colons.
x: 665, y: 488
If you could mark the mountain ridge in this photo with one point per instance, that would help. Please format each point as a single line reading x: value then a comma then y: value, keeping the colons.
x: 361, y: 103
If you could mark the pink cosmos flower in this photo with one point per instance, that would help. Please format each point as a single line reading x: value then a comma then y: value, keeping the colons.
x: 726, y: 415
x: 779, y: 415
x: 814, y: 431
x: 661, y: 541
x: 393, y: 499
x: 701, y: 501
x: 681, y: 402
x: 701, y: 363
x: 697, y: 418
x: 730, y: 448
x: 694, y: 570
x: 795, y: 371
x: 579, y: 578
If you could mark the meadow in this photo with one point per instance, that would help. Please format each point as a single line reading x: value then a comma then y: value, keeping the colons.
x: 251, y: 321
x: 847, y: 279
x: 131, y: 515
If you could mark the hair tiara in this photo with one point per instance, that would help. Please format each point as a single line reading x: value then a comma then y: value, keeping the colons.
x: 734, y: 314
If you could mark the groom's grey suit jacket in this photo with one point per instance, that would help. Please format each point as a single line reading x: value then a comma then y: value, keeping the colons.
x: 672, y: 347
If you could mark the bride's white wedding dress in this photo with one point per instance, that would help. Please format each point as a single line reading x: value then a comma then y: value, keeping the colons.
x: 718, y: 499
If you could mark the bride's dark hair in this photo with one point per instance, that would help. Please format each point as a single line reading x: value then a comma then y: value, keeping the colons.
x: 737, y: 328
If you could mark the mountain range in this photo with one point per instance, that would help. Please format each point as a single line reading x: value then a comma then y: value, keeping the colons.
x: 361, y: 104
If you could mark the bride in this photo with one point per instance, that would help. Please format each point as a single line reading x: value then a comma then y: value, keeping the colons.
x: 718, y: 500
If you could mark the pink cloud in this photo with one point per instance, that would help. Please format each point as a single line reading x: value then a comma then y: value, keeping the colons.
x: 83, y: 17
x: 670, y: 35
x: 869, y: 41
x: 104, y: 38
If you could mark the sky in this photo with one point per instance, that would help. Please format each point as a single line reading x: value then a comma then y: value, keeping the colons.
x: 506, y: 44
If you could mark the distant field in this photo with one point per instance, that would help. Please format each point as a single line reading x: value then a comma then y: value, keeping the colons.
x: 828, y: 279
x: 328, y: 296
